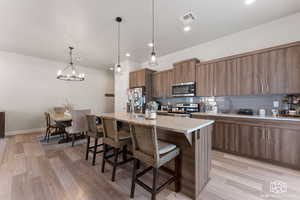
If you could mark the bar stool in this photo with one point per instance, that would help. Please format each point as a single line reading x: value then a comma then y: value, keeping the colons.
x: 94, y: 131
x: 112, y: 137
x: 154, y: 153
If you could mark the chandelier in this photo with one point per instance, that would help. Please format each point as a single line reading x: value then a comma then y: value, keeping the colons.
x: 73, y: 75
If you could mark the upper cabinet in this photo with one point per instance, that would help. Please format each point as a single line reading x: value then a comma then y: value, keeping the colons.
x: 162, y: 84
x: 269, y: 71
x: 185, y: 71
x: 142, y: 78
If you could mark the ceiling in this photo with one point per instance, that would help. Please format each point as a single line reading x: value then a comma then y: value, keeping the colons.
x: 46, y: 28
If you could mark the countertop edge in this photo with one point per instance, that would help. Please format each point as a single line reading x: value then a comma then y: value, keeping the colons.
x: 247, y: 117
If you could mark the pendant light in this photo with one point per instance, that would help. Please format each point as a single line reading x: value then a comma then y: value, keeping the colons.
x: 153, y: 56
x: 73, y: 75
x: 118, y: 65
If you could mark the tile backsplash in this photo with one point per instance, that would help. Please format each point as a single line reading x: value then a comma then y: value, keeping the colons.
x: 232, y: 103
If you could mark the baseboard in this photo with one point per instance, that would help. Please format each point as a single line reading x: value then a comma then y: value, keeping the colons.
x: 27, y: 131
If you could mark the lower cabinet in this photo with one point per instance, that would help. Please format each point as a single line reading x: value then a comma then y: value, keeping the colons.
x: 273, y: 142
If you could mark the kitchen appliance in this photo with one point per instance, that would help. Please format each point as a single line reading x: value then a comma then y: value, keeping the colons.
x: 136, y: 100
x: 245, y: 111
x: 184, y: 109
x: 184, y: 89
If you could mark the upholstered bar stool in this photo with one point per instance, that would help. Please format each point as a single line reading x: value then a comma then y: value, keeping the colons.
x: 154, y: 153
x: 94, y: 131
x: 118, y: 140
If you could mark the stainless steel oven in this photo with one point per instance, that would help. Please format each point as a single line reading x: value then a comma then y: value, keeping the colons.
x: 184, y: 89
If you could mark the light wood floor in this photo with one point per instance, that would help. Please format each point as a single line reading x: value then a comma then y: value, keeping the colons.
x: 31, y: 170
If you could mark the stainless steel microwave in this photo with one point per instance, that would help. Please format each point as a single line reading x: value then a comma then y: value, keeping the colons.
x: 184, y: 89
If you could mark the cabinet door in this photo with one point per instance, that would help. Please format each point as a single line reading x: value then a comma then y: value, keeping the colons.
x: 249, y: 80
x: 185, y: 71
x: 283, y: 145
x: 205, y: 80
x: 251, y: 140
x: 140, y: 78
x: 155, y: 85
x: 225, y: 78
x: 132, y: 79
x: 218, y: 136
x: 275, y: 71
x: 293, y: 70
x: 169, y: 76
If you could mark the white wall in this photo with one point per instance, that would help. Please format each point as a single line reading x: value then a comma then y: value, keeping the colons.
x: 28, y: 88
x: 281, y: 31
x: 122, y: 84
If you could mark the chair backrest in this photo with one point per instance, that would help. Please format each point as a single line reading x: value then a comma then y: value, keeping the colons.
x: 47, y: 117
x: 79, y: 120
x: 144, y: 140
x: 59, y: 110
x: 92, y: 126
x: 110, y: 128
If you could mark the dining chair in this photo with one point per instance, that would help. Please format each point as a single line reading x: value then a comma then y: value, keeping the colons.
x: 116, y: 139
x: 79, y: 123
x: 155, y: 154
x: 51, y: 128
x: 96, y: 132
x: 59, y: 110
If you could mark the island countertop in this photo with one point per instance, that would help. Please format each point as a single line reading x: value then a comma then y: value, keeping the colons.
x: 176, y: 124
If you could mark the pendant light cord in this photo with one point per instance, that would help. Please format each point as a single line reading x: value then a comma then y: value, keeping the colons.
x: 153, y: 26
x: 119, y: 43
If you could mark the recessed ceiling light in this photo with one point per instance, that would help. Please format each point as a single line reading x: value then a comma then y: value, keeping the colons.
x: 249, y: 2
x: 150, y: 44
x: 127, y: 54
x: 111, y: 69
x: 187, y: 28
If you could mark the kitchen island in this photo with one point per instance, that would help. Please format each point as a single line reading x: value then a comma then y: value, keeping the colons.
x: 192, y: 136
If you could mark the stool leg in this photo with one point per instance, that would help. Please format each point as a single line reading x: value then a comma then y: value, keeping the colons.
x: 95, y: 151
x: 135, y: 163
x: 73, y: 140
x: 87, y: 148
x: 103, y: 158
x: 177, y: 173
x: 154, y: 186
x: 116, y: 152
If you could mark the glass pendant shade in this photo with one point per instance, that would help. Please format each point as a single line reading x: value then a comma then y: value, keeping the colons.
x: 153, y: 60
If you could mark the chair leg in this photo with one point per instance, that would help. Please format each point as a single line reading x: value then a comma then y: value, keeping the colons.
x: 73, y: 140
x: 116, y: 152
x: 154, y: 186
x: 135, y: 163
x: 103, y: 158
x: 177, y: 173
x: 45, y: 138
x: 125, y: 153
x: 87, y: 148
x: 95, y: 151
x: 48, y: 136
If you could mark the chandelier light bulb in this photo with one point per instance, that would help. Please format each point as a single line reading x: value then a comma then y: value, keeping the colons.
x: 59, y: 73
x: 73, y: 72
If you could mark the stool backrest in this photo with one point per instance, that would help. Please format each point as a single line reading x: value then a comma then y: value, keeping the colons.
x: 92, y: 126
x: 79, y: 120
x: 144, y: 140
x: 110, y: 128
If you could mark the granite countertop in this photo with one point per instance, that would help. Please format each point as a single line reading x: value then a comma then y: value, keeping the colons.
x: 247, y: 116
x: 176, y: 124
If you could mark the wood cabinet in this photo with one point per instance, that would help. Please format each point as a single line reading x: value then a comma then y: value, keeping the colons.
x: 162, y: 84
x: 283, y: 145
x: 274, y: 70
x: 142, y: 78
x: 185, y: 71
x: 275, y: 141
x: 205, y: 80
x: 2, y: 124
